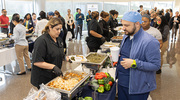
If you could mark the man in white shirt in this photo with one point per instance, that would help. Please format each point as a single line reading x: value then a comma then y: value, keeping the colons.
x: 146, y: 20
x: 41, y: 24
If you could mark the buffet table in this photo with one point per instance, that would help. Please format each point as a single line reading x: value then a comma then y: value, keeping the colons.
x: 107, y: 95
x: 7, y: 55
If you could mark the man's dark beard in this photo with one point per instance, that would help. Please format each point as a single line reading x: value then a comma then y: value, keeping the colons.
x: 131, y: 33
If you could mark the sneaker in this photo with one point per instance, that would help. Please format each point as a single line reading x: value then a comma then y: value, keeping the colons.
x: 159, y: 71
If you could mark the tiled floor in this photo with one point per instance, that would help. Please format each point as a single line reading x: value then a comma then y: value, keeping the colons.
x: 13, y: 87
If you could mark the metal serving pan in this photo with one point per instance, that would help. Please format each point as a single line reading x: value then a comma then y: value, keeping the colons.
x: 116, y: 40
x: 74, y: 90
x: 100, y: 63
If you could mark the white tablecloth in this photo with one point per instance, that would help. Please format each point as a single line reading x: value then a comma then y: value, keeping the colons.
x: 7, y: 55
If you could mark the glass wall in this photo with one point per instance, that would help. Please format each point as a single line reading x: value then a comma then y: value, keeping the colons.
x: 121, y: 7
x: 163, y: 5
x: 85, y: 6
x: 21, y: 7
x: 59, y: 6
x: 146, y: 5
x: 26, y: 6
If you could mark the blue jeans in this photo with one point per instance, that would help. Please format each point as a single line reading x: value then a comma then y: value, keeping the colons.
x: 123, y: 94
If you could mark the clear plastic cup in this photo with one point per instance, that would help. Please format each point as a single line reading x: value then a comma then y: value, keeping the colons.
x: 114, y: 53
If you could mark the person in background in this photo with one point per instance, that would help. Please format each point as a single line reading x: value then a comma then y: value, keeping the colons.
x: 174, y: 25
x: 76, y: 12
x: 146, y: 20
x: 21, y: 21
x: 147, y: 12
x: 70, y: 23
x: 138, y: 61
x: 41, y: 23
x: 4, y: 22
x: 141, y: 8
x: 57, y: 14
x: 95, y: 38
x: 113, y: 23
x: 28, y: 23
x: 143, y: 12
x: 75, y: 18
x: 50, y: 15
x: 164, y: 29
x: 21, y: 44
x: 153, y: 19
x: 48, y: 54
x: 167, y: 15
x: 104, y: 25
x: 161, y: 13
x: 88, y: 18
x: 12, y: 25
x: 171, y: 13
x: 79, y: 19
x: 155, y: 9
x: 34, y: 19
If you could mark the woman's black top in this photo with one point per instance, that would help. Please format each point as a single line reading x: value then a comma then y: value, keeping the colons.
x: 46, y: 50
x: 105, y: 27
x: 92, y: 41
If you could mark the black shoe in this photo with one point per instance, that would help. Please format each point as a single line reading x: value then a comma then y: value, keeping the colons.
x: 21, y: 73
x: 70, y: 39
x: 159, y: 71
x: 29, y: 69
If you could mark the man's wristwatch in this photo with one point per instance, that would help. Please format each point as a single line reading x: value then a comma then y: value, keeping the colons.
x: 133, y: 65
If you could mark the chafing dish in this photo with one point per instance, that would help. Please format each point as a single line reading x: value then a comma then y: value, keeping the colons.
x: 70, y: 94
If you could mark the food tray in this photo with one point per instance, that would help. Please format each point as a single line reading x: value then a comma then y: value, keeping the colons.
x: 74, y: 90
x: 99, y: 63
x: 108, y: 45
x: 3, y: 41
x: 92, y: 65
x: 77, y: 58
x: 117, y: 38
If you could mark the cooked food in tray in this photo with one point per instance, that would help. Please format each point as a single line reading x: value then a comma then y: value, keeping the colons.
x: 95, y: 58
x: 77, y: 58
x: 4, y: 39
x: 67, y: 82
x: 118, y: 37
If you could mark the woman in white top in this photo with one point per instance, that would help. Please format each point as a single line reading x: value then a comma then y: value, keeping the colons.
x: 21, y: 44
x: 41, y: 24
x: 70, y: 23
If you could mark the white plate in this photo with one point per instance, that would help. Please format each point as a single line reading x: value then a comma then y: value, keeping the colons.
x: 78, y: 58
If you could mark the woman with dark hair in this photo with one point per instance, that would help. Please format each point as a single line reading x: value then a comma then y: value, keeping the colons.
x: 164, y: 29
x: 113, y: 23
x: 48, y: 54
x: 171, y: 13
x: 21, y: 44
x: 12, y: 25
x: 95, y: 38
x: 41, y: 24
x: 57, y: 14
x: 28, y: 23
x: 104, y: 25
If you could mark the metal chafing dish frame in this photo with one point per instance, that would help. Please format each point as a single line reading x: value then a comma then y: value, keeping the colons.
x: 70, y: 94
x: 95, y: 66
x: 3, y: 42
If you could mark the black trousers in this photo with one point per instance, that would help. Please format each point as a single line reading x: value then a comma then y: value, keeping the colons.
x: 5, y: 31
x: 71, y: 30
x: 79, y: 29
